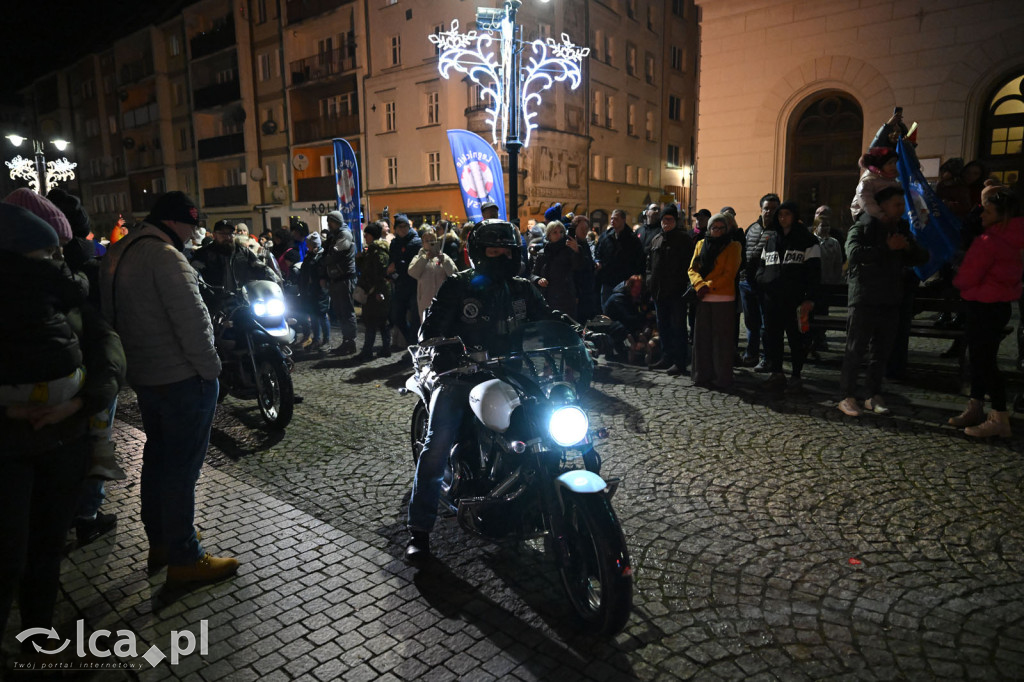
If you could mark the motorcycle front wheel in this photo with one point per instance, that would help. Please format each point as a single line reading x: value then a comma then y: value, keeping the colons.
x: 418, y: 430
x: 276, y: 395
x: 595, y: 568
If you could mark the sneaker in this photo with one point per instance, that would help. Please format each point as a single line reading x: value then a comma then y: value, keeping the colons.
x: 776, y: 382
x: 418, y: 549
x: 762, y: 367
x: 876, y: 405
x: 207, y: 569
x: 849, y: 407
x: 87, y: 530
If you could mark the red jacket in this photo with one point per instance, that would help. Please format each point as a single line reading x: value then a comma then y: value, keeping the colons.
x: 992, y: 268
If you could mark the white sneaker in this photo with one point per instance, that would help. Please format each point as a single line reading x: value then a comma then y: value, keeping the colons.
x: 849, y: 407
x: 876, y: 405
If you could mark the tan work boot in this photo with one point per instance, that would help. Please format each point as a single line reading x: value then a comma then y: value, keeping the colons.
x: 997, y: 424
x: 972, y: 415
x: 207, y: 569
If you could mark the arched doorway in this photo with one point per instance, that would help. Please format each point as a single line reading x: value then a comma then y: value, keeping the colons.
x: 823, y: 145
x: 1002, y: 131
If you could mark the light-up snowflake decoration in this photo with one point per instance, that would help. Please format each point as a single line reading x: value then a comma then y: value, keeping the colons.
x: 60, y: 170
x: 474, y: 54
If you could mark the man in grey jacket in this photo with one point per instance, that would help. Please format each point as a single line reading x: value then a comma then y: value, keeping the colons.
x: 151, y: 295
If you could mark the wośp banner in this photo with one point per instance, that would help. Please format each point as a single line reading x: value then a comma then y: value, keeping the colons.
x: 346, y: 178
x: 478, y: 168
x: 934, y: 225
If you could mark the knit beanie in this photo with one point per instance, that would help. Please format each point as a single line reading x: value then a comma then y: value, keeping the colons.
x: 71, y: 207
x: 22, y: 231
x: 314, y: 239
x: 671, y: 210
x: 42, y: 207
x: 553, y: 213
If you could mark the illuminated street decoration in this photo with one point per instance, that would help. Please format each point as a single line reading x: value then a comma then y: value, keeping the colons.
x: 492, y: 64
x: 60, y: 170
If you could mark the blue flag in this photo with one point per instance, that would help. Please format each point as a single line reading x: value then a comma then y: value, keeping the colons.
x: 478, y: 168
x: 346, y: 178
x: 934, y: 225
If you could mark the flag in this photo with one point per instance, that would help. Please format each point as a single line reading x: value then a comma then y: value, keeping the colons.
x: 346, y: 178
x: 933, y: 224
x: 478, y: 168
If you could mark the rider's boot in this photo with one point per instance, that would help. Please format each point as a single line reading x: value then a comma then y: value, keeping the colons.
x: 418, y: 548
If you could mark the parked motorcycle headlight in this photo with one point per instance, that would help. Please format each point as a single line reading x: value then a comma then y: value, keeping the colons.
x: 272, y: 308
x: 259, y: 309
x: 568, y: 425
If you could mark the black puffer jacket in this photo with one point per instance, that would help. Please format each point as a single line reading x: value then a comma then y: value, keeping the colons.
x: 340, y: 256
x: 876, y: 274
x: 37, y: 342
x: 754, y: 241
x: 483, y: 312
x: 620, y: 255
x: 790, y: 264
x: 557, y: 264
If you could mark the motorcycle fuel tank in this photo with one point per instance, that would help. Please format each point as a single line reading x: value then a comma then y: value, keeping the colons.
x: 493, y: 402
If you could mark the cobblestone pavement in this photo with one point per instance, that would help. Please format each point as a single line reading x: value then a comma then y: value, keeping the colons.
x: 771, y: 537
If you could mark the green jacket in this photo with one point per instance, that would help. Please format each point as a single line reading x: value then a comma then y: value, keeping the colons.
x: 875, y: 274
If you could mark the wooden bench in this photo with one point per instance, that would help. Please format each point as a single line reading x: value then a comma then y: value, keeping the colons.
x: 926, y: 300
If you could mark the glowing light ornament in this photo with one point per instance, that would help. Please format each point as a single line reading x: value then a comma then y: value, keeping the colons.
x: 60, y: 170
x: 491, y: 62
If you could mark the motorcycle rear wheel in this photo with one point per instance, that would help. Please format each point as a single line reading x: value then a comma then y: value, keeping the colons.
x: 276, y: 394
x: 596, y: 572
x: 418, y: 430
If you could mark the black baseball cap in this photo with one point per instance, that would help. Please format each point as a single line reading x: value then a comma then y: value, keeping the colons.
x: 176, y: 206
x: 223, y: 226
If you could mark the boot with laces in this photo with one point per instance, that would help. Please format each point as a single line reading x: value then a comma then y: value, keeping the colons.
x: 972, y: 415
x: 996, y: 426
x: 207, y: 569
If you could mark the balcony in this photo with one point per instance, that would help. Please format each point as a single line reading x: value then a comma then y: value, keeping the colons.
x: 132, y: 72
x: 217, y: 94
x: 141, y: 116
x: 233, y: 195
x: 325, y: 128
x: 223, y: 145
x: 324, y: 65
x: 297, y: 10
x: 214, y: 40
x: 316, y: 189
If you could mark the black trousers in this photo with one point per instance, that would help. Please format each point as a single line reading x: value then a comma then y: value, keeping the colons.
x: 986, y: 323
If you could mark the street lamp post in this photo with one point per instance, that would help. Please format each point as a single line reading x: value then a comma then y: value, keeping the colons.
x: 514, y: 88
x: 40, y: 174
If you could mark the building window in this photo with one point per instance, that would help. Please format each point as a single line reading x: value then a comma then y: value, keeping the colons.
x: 327, y: 166
x: 261, y: 11
x: 596, y: 166
x: 673, y: 155
x: 433, y: 108
x: 631, y: 9
x: 174, y: 45
x: 337, y: 105
x: 609, y: 172
x: 609, y: 119
x: 434, y: 166
x: 598, y: 44
x: 438, y: 30
x: 597, y: 107
x: 631, y: 120
x: 1002, y: 136
x: 392, y: 171
x: 609, y: 50
x: 631, y: 60
x: 649, y: 68
x: 543, y: 31
x: 396, y: 50
x: 650, y: 17
x: 182, y: 139
x: 649, y: 127
x: 677, y: 58
x: 679, y: 8
x: 265, y: 68
x: 390, y: 122
x: 675, y: 106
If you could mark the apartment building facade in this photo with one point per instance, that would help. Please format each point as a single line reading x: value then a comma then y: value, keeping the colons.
x: 237, y: 104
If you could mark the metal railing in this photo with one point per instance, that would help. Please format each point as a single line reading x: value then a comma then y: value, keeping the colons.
x: 325, y: 127
x: 324, y: 65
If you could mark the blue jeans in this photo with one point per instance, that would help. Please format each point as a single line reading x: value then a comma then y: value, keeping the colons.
x: 344, y: 310
x: 671, y: 313
x: 38, y: 493
x: 177, y: 419
x: 90, y: 498
x: 448, y: 405
x: 750, y: 299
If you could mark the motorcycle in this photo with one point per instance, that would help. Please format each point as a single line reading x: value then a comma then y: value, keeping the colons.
x: 525, y: 465
x: 252, y: 337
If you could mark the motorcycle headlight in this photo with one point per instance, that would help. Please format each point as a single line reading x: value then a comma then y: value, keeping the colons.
x: 568, y: 425
x: 275, y: 307
x: 259, y: 309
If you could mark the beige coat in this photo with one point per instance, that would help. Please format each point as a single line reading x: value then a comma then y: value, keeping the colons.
x: 430, y: 274
x: 160, y: 316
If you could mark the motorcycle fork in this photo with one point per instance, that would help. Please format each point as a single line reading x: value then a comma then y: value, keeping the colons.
x: 552, y: 503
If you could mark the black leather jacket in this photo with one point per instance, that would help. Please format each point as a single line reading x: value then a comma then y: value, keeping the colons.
x: 483, y: 312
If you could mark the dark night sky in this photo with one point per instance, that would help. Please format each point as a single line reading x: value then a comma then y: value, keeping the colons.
x: 38, y: 36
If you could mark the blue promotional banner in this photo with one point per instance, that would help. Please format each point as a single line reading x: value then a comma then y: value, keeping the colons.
x: 346, y: 178
x: 934, y: 225
x: 478, y: 168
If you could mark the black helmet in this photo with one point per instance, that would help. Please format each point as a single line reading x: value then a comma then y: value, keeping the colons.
x: 494, y: 233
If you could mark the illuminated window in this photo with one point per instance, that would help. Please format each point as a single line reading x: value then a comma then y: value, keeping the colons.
x: 1001, y: 143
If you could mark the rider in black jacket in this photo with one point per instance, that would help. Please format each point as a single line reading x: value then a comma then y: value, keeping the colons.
x: 481, y: 306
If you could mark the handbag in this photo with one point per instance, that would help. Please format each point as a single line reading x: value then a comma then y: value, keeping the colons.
x: 359, y: 294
